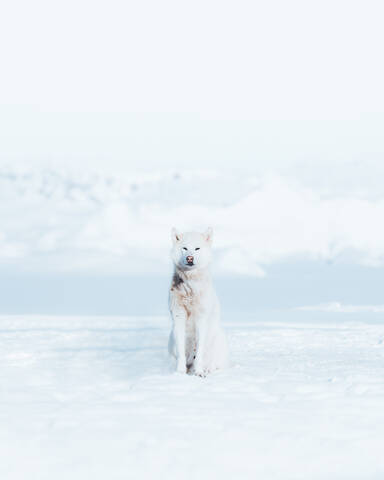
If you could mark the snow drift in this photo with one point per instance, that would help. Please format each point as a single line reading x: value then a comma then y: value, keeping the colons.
x: 72, y: 221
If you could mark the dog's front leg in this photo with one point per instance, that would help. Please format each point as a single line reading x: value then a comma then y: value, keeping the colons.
x: 201, y: 334
x: 179, y: 322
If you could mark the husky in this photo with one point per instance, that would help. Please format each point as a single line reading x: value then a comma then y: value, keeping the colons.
x: 196, y: 341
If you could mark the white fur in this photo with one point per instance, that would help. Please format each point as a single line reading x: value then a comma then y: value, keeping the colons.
x: 197, y: 340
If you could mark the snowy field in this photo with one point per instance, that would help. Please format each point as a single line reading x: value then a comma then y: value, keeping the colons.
x: 300, y: 285
x: 120, y: 120
x: 96, y: 398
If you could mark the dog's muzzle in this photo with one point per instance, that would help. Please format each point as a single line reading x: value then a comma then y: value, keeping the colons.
x: 189, y: 260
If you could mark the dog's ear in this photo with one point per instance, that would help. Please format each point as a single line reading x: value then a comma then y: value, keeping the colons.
x: 208, y: 235
x: 176, y: 236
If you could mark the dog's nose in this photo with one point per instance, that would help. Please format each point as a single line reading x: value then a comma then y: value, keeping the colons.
x: 189, y: 259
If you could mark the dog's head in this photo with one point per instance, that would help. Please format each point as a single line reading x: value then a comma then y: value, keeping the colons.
x: 191, y: 250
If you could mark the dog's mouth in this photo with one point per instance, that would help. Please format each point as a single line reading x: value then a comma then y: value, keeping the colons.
x: 190, y: 264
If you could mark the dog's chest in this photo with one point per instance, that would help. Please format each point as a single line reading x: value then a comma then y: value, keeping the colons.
x: 193, y: 294
x: 190, y: 297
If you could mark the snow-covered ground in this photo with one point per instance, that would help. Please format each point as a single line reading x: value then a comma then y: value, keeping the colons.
x: 298, y: 266
x: 96, y: 398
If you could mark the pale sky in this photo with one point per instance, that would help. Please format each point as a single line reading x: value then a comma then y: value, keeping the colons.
x: 145, y: 84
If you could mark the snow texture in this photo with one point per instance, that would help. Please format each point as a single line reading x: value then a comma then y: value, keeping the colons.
x: 96, y: 398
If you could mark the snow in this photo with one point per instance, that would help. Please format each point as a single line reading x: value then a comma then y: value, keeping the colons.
x: 109, y: 224
x: 96, y: 397
x: 338, y: 307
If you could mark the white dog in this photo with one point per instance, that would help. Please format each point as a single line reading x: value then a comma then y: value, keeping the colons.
x: 196, y: 341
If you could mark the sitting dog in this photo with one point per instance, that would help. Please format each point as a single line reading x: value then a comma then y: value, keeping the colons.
x: 197, y: 340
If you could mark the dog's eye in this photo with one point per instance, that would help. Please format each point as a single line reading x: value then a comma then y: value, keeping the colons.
x: 185, y: 248
x: 197, y: 248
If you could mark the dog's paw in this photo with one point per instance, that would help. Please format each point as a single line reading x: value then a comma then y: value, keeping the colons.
x: 201, y: 372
